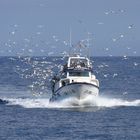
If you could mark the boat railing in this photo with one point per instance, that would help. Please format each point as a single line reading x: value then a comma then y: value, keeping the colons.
x: 77, y: 68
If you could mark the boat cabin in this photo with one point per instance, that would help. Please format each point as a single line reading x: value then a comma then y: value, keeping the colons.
x: 77, y: 67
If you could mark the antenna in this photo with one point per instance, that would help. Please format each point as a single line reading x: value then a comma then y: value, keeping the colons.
x: 70, y: 41
x: 88, y: 44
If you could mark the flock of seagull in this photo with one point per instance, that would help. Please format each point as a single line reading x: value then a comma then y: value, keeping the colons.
x: 42, y: 70
x: 32, y: 44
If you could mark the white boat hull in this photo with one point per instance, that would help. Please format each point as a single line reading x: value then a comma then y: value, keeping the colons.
x: 77, y: 90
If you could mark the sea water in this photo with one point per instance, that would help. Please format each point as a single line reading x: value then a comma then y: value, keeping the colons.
x: 26, y: 114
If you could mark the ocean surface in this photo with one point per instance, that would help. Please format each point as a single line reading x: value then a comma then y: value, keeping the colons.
x: 26, y: 114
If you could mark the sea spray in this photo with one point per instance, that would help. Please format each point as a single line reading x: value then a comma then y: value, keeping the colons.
x: 71, y: 102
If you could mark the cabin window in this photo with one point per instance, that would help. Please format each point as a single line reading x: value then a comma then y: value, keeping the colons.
x: 79, y: 74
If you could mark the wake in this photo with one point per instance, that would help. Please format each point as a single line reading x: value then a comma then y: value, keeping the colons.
x: 70, y: 102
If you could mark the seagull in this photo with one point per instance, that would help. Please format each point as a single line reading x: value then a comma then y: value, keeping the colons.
x: 106, y: 13
x: 13, y: 32
x: 130, y: 26
x: 106, y: 49
x: 124, y: 93
x: 15, y: 25
x: 115, y: 74
x: 134, y: 52
x: 30, y: 50
x: 38, y: 33
x: 121, y: 36
x: 40, y: 26
x: 135, y: 64
x: 114, y: 39
x: 54, y: 36
x: 121, y: 10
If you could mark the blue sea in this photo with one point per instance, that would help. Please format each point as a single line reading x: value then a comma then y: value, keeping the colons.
x: 26, y: 114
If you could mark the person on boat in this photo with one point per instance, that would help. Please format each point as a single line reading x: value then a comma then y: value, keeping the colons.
x: 65, y: 68
x: 53, y: 81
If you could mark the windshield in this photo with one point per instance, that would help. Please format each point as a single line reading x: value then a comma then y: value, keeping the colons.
x: 79, y: 74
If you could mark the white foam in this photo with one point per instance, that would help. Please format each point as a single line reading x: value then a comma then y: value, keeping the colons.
x: 112, y: 102
x: 29, y: 103
x: 72, y: 102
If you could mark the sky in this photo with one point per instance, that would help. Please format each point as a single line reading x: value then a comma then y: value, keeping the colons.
x: 42, y: 27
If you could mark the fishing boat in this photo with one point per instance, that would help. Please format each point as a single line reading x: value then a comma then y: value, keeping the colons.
x: 75, y: 80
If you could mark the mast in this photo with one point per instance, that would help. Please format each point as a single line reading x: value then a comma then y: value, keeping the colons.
x: 88, y: 44
x: 70, y: 45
